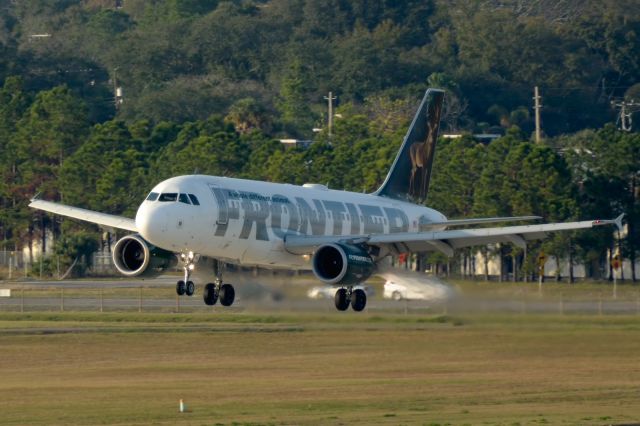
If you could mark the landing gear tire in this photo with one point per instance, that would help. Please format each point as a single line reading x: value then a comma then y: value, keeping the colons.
x: 342, y: 299
x: 210, y: 294
x: 181, y: 288
x: 227, y: 294
x: 190, y: 288
x: 358, y: 299
x: 396, y: 295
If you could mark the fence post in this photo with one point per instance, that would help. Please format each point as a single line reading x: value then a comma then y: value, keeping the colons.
x: 22, y: 298
x: 62, y: 299
x: 561, y: 304
x: 101, y: 299
x: 140, y: 301
x: 600, y: 304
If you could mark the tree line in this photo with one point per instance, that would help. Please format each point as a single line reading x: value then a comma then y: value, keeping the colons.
x: 208, y: 86
x: 50, y: 147
x: 274, y: 60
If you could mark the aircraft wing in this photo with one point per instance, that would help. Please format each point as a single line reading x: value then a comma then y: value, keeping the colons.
x: 475, y: 221
x: 105, y: 220
x: 444, y: 241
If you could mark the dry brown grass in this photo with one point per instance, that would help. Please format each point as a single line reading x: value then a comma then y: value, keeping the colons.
x: 314, y: 370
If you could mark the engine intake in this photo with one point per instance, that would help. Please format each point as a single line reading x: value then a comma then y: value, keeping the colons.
x: 133, y: 256
x: 342, y: 264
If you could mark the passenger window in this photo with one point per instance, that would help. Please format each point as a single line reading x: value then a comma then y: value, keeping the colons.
x: 168, y: 196
x: 194, y: 200
x: 184, y: 199
x: 152, y: 196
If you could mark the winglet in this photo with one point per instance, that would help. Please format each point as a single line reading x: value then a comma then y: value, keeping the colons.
x: 36, y: 197
x: 617, y: 222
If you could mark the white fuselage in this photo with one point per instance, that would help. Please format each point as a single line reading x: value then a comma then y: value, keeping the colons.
x: 246, y: 222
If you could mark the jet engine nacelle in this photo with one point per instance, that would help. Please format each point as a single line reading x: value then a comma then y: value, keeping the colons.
x: 342, y: 264
x: 133, y: 256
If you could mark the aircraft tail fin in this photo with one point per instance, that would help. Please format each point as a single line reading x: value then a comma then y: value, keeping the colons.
x: 409, y: 176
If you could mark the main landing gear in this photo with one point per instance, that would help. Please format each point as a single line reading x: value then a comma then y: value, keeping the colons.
x: 212, y: 291
x: 348, y: 296
x: 218, y: 291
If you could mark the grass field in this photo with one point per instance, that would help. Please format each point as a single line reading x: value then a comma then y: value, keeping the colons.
x: 85, y: 368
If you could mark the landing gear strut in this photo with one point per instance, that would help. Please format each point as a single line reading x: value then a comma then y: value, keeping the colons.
x: 187, y: 286
x: 218, y: 290
x: 348, y: 296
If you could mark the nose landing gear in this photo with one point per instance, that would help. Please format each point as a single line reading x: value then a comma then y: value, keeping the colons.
x: 187, y: 286
x: 348, y: 296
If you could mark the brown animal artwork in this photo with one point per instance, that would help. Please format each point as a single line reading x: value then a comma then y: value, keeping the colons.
x: 421, y: 154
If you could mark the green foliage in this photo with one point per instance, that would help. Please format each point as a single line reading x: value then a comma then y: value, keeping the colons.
x: 184, y: 60
x: 459, y: 163
x: 247, y: 115
x: 108, y: 172
x: 296, y: 117
x: 75, y: 247
x: 208, y: 85
x: 604, y: 166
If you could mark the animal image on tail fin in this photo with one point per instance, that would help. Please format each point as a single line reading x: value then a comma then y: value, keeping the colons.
x: 410, y: 173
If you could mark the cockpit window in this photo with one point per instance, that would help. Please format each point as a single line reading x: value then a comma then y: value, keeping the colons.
x: 168, y: 196
x: 152, y: 196
x: 184, y: 199
x: 194, y: 200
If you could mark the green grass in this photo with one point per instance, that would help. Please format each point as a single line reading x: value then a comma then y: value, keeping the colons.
x: 254, y: 368
x: 50, y: 289
x: 579, y: 291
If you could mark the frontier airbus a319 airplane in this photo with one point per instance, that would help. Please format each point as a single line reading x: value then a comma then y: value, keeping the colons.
x: 341, y: 236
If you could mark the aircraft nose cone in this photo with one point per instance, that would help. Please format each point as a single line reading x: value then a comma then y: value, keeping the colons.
x: 150, y: 222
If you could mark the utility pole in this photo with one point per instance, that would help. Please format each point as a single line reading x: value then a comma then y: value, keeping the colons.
x: 627, y: 108
x: 330, y: 100
x: 537, y: 98
x: 117, y: 91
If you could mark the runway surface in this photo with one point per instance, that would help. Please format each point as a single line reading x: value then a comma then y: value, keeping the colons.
x: 158, y: 295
